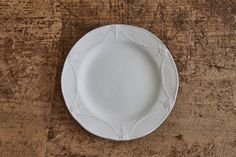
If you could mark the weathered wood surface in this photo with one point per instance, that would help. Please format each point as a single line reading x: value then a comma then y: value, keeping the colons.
x: 36, y: 36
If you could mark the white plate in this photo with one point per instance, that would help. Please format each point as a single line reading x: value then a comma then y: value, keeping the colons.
x: 119, y: 82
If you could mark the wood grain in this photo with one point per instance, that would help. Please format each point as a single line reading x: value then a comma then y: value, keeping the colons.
x: 36, y: 36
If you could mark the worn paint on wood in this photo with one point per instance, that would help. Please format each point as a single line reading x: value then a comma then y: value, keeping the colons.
x: 36, y: 36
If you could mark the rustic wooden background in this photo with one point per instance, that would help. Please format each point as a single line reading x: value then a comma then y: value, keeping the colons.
x: 36, y: 36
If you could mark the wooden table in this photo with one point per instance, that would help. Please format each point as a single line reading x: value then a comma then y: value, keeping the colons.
x: 36, y: 36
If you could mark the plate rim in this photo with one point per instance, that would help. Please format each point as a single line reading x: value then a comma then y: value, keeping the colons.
x: 175, y: 94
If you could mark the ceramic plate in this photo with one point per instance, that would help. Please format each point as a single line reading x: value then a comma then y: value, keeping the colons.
x: 119, y: 82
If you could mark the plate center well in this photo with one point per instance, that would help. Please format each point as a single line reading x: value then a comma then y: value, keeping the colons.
x: 119, y: 81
